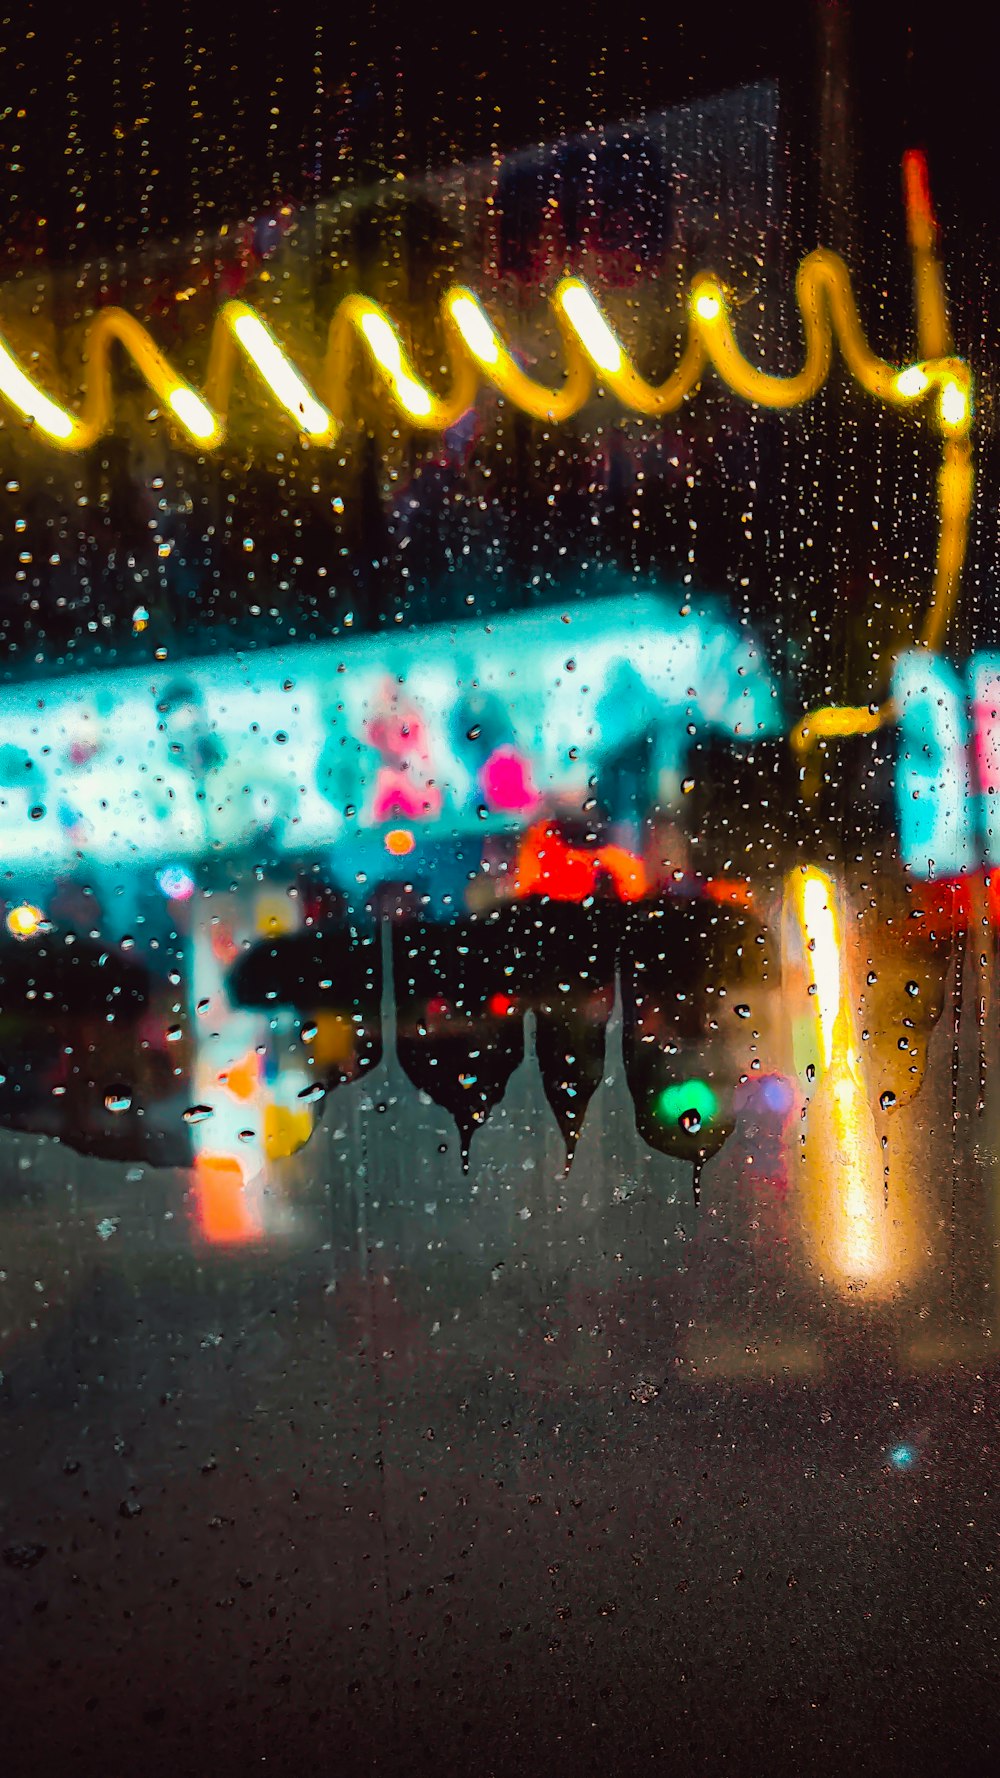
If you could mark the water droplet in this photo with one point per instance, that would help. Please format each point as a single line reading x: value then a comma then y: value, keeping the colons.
x: 117, y: 1099
x: 309, y: 1095
x: 742, y: 1011
x: 690, y: 1121
x: 196, y: 1114
x: 912, y: 988
x: 24, y: 1555
x: 886, y: 1099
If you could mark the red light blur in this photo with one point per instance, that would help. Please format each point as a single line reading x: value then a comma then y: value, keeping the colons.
x: 547, y: 865
x: 921, y: 225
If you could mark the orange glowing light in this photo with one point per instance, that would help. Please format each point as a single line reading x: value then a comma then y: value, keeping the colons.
x: 729, y: 892
x: 920, y: 221
x: 222, y: 1211
x: 865, y: 1245
x: 24, y: 921
x: 243, y: 1078
x: 399, y: 841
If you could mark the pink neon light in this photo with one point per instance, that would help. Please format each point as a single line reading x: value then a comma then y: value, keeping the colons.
x: 507, y: 783
x: 396, y: 794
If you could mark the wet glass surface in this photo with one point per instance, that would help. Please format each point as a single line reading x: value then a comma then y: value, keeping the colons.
x: 498, y: 961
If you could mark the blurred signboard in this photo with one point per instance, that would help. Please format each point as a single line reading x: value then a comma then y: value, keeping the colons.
x: 304, y: 748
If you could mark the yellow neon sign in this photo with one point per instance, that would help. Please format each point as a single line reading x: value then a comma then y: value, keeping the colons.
x: 593, y: 354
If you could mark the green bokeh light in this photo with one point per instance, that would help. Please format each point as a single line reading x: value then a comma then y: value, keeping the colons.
x: 689, y: 1103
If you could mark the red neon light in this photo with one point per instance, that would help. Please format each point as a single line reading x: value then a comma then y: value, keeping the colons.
x: 950, y: 904
x: 921, y: 223
x: 547, y: 865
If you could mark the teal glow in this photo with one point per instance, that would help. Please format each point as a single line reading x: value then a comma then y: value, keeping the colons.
x: 934, y: 794
x: 322, y: 746
x: 688, y: 1103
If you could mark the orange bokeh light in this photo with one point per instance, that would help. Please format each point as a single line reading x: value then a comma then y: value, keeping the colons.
x: 399, y: 841
x: 222, y: 1212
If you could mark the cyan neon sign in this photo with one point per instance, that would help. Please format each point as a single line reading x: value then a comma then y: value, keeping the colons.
x: 948, y: 765
x: 333, y: 746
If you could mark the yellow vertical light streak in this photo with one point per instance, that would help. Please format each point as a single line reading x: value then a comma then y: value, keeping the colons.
x: 863, y: 1243
x: 819, y: 923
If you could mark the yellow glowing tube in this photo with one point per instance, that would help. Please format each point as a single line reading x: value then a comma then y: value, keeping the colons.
x: 113, y: 327
x: 605, y: 353
x: 497, y: 365
x: 478, y: 353
x: 829, y: 313
x: 360, y: 319
x: 37, y: 408
x: 951, y: 378
x: 592, y: 351
x: 239, y: 325
x: 110, y: 327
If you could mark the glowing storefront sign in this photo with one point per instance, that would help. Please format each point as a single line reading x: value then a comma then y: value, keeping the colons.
x: 933, y: 780
x: 360, y: 743
x: 948, y: 766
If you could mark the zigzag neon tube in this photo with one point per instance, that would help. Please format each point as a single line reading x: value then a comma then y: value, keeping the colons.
x: 594, y: 356
x: 479, y: 355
